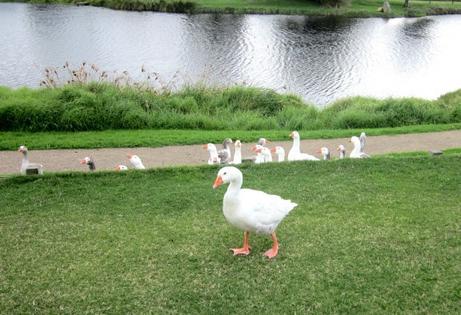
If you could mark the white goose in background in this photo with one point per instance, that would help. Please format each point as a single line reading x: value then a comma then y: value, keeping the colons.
x: 325, y: 153
x: 90, y: 162
x: 295, y: 152
x: 237, y: 153
x: 121, y: 168
x: 28, y: 168
x: 279, y: 152
x: 342, y: 151
x: 356, y: 154
x: 259, y: 156
x: 251, y: 210
x: 225, y: 155
x: 363, y: 138
x: 136, y: 162
x: 265, y: 152
x: 213, y: 157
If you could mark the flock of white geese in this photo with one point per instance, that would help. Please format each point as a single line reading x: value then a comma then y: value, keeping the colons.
x: 224, y: 156
x: 249, y: 210
x: 264, y: 154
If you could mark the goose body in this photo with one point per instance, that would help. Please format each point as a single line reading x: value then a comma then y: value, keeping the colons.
x: 356, y: 153
x: 295, y: 152
x: 225, y: 154
x: 251, y: 210
x: 237, y: 153
x: 90, y: 162
x: 279, y: 152
x: 26, y: 166
x: 342, y: 151
x: 213, y: 157
x: 136, y: 162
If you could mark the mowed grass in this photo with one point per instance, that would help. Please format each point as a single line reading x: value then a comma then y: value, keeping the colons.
x: 368, y: 236
x: 158, y: 138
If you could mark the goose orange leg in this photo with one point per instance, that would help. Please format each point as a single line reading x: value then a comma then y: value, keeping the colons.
x: 271, y: 253
x: 245, y: 250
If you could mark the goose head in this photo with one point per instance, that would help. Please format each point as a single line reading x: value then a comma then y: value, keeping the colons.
x: 355, y: 141
x: 257, y: 148
x: 210, y: 147
x: 294, y: 135
x: 263, y: 141
x: 325, y: 152
x: 134, y: 158
x: 278, y: 150
x: 85, y: 160
x: 121, y: 167
x: 226, y: 175
x: 227, y: 142
x: 237, y: 144
x: 22, y: 149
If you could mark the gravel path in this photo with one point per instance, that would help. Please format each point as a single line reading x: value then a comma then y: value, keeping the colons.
x: 107, y: 159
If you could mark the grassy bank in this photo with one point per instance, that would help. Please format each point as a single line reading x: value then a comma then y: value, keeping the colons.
x: 370, y: 236
x: 103, y: 106
x: 354, y: 8
x: 159, y: 138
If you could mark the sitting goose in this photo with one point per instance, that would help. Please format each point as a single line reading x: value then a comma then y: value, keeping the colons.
x: 28, y: 168
x: 225, y: 154
x: 265, y: 153
x: 356, y: 154
x: 342, y: 151
x: 325, y: 153
x: 90, y: 162
x: 136, y: 162
x: 295, y: 152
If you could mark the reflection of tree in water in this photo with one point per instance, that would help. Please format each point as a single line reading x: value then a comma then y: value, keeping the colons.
x: 213, y: 44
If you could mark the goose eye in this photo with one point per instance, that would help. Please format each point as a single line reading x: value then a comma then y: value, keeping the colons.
x: 224, y: 173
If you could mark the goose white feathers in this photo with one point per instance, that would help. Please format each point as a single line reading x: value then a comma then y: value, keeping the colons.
x: 279, y: 152
x: 136, y: 162
x: 295, y: 152
x: 363, y: 138
x: 237, y: 153
x: 251, y: 210
x: 213, y: 157
x: 266, y: 155
x: 356, y: 153
x: 225, y: 154
x: 342, y: 151
x: 26, y: 166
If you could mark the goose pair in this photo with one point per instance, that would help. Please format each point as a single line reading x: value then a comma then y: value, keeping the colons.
x: 359, y: 146
x: 134, y: 160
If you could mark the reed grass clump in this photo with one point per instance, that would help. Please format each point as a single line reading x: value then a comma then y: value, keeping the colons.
x: 105, y: 105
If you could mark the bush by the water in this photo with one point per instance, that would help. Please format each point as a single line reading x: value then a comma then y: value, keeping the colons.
x: 96, y: 106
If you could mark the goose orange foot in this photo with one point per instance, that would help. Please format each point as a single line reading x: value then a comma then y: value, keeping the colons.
x: 271, y: 253
x: 244, y: 251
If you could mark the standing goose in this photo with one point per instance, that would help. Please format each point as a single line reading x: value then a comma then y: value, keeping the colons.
x: 251, y: 210
x: 237, y: 153
x: 356, y: 154
x: 90, y: 162
x: 280, y: 152
x: 363, y: 138
x: 342, y: 151
x: 295, y: 152
x: 213, y: 157
x: 136, y: 162
x: 28, y: 168
x: 225, y: 155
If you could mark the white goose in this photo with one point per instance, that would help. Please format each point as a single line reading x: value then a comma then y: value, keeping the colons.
x: 251, y: 210
x: 225, y: 154
x: 356, y: 154
x: 121, y: 168
x: 26, y: 166
x: 325, y: 153
x: 363, y: 139
x: 213, y: 157
x: 342, y: 151
x: 295, y: 152
x: 136, y: 162
x: 280, y: 152
x: 259, y: 156
x: 237, y: 153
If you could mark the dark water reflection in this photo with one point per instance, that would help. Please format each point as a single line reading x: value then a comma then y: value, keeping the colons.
x: 320, y: 59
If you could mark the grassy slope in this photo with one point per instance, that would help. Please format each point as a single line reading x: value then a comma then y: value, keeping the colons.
x: 158, y: 138
x: 371, y: 236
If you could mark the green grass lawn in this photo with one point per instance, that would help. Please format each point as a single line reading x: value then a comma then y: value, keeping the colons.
x: 158, y: 138
x: 369, y: 236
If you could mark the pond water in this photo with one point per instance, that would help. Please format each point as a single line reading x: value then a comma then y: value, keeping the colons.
x: 320, y: 59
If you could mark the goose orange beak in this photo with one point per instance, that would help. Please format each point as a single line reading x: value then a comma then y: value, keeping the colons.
x: 218, y: 182
x: 82, y: 162
x: 130, y: 156
x: 205, y: 146
x: 319, y: 151
x: 273, y: 150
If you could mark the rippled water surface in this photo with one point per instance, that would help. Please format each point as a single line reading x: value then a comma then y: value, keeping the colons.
x: 320, y: 59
